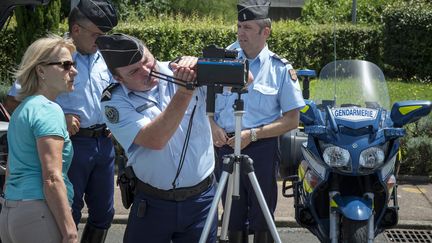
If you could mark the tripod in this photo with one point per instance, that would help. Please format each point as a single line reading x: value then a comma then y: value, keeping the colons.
x: 231, y: 166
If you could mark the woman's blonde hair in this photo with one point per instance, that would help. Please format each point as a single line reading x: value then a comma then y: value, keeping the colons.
x: 37, y: 53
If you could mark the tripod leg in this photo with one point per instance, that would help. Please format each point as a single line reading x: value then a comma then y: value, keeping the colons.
x: 263, y: 205
x: 214, y: 206
x: 227, y: 210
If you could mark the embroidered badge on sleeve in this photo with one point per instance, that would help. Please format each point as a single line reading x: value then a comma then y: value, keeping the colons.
x: 112, y: 114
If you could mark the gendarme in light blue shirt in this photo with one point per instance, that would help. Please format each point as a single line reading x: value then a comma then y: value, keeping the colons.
x: 128, y: 111
x: 93, y: 77
x: 34, y: 118
x: 271, y: 94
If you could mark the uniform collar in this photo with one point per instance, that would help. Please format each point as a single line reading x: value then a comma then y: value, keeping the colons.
x: 261, y: 57
x: 91, y: 57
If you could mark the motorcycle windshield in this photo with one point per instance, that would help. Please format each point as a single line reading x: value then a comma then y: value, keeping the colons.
x: 347, y: 83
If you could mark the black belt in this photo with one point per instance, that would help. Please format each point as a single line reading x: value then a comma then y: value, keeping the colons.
x: 94, y: 131
x: 178, y: 194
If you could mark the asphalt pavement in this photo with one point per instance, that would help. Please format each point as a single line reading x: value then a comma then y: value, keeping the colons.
x: 414, y: 197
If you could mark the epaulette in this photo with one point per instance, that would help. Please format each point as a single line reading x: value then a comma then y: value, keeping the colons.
x: 283, y: 60
x: 106, y: 94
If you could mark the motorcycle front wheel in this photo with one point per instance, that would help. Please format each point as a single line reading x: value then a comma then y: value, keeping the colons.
x: 353, y: 231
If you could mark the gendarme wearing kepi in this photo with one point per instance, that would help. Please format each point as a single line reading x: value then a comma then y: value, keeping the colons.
x: 120, y: 50
x: 100, y: 12
x: 253, y: 9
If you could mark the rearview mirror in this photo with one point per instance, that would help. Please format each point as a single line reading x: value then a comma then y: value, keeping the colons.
x: 405, y: 112
x: 309, y: 115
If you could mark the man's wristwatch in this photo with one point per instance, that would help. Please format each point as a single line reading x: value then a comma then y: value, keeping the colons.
x: 253, y: 135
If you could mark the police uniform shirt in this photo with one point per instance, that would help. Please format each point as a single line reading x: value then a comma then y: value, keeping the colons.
x: 272, y: 93
x: 128, y: 111
x: 92, y: 78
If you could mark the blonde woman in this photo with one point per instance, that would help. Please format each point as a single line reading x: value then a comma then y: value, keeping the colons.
x: 38, y: 193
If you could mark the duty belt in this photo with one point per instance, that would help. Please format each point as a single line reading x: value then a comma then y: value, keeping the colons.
x: 178, y: 194
x: 94, y: 131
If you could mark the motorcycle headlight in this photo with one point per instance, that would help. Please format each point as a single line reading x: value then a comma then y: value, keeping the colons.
x: 371, y: 158
x: 336, y: 156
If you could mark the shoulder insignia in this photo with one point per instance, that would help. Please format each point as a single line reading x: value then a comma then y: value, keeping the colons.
x: 106, y: 94
x: 283, y: 60
x: 112, y: 114
x: 293, y: 75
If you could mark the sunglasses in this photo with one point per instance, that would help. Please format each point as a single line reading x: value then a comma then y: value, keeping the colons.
x: 67, y: 65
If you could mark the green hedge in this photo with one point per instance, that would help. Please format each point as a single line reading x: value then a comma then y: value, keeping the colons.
x: 313, y: 46
x: 408, y: 39
x: 417, y: 148
x: 305, y: 46
x: 168, y: 39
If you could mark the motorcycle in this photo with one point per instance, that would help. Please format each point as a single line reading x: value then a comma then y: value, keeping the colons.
x: 345, y: 189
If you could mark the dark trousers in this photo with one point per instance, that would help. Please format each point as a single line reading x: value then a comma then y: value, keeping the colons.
x: 92, y: 177
x: 160, y: 221
x: 246, y: 212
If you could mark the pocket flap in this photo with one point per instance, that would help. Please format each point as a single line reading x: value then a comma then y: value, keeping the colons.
x: 267, y: 90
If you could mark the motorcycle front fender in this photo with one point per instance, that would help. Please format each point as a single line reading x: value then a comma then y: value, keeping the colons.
x: 355, y: 208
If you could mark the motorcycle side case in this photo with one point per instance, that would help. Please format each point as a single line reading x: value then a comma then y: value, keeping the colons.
x: 290, y: 152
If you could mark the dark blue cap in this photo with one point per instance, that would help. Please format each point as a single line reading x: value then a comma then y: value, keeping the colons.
x: 252, y: 9
x: 99, y: 12
x: 120, y: 50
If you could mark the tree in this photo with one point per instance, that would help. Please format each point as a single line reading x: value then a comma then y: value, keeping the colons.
x: 35, y: 22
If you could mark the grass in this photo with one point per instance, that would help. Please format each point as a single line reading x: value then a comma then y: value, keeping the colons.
x: 409, y: 91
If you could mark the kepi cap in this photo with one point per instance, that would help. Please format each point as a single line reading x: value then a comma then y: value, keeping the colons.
x: 99, y: 12
x: 252, y: 9
x: 120, y: 50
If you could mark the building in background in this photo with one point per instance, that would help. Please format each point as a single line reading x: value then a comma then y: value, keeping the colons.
x: 285, y: 9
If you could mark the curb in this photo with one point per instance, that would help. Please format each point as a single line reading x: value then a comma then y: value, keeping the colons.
x: 414, y: 179
x: 289, y: 222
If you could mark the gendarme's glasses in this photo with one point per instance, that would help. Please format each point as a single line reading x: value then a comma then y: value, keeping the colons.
x: 93, y: 33
x: 67, y: 65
